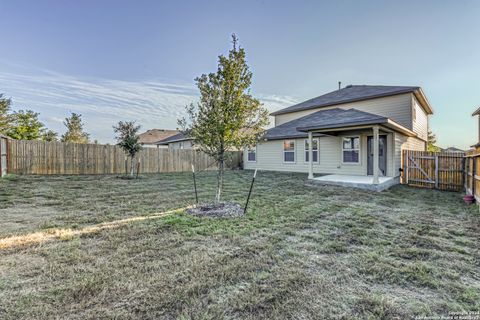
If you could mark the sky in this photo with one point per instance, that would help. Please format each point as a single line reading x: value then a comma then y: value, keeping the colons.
x: 137, y: 60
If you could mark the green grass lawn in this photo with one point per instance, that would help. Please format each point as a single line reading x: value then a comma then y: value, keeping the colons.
x: 300, y: 253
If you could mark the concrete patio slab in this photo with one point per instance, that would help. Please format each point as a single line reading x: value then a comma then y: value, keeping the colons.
x: 353, y: 181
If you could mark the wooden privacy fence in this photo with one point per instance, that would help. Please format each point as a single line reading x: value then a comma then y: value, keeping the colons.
x: 472, y: 174
x: 3, y: 155
x: 436, y: 170
x: 40, y: 157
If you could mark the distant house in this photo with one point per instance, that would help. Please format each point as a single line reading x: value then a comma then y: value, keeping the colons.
x: 177, y: 141
x: 181, y: 141
x: 477, y: 113
x: 334, y: 134
x: 150, y: 138
x: 453, y: 149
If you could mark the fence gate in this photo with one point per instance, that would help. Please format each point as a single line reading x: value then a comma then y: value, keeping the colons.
x: 435, y: 170
x: 3, y: 156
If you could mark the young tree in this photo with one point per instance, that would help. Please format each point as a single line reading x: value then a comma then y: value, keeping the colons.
x: 25, y: 126
x: 227, y: 116
x: 5, y: 117
x: 75, y: 131
x: 127, y: 138
x: 432, y: 140
x: 49, y: 135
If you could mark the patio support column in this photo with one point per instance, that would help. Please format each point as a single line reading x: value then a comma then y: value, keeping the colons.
x: 310, y: 155
x: 375, y: 154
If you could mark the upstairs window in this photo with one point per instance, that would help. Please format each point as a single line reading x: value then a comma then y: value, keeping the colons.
x: 314, y: 150
x: 289, y: 151
x: 351, y: 149
x: 252, y: 154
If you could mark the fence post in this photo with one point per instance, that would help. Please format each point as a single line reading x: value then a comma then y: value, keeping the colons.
x: 138, y: 167
x: 250, y: 192
x: 436, y: 171
x: 194, y: 183
x: 474, y: 170
x: 407, y: 172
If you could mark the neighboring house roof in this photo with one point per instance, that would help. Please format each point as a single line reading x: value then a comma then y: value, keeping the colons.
x: 352, y: 93
x: 328, y: 119
x: 182, y: 137
x: 175, y: 138
x: 4, y: 136
x: 452, y: 149
x: 154, y: 135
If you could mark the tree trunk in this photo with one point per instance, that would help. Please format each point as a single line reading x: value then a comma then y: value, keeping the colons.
x: 221, y: 165
x: 132, y: 166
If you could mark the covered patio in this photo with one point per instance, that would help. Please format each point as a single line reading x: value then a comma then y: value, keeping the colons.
x: 378, y: 175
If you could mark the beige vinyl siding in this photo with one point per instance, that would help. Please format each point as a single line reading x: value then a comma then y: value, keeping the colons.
x: 403, y: 142
x: 187, y: 144
x: 420, y: 122
x: 270, y: 156
x: 149, y: 145
x: 397, y: 108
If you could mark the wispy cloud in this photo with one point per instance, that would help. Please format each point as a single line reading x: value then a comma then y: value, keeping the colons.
x: 103, y: 102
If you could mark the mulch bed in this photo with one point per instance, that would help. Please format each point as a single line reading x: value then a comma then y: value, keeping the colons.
x: 217, y: 210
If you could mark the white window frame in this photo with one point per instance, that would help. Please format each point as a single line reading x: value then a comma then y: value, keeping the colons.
x: 294, y: 151
x: 359, y: 150
x: 254, y: 149
x: 306, y: 150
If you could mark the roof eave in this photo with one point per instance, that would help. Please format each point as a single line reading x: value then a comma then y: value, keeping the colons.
x: 476, y: 112
x: 164, y: 143
x: 420, y: 95
x: 398, y: 127
x: 346, y: 125
x: 288, y: 137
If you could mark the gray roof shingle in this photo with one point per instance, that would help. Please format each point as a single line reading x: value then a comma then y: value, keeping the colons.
x: 153, y: 135
x: 323, y: 119
x: 178, y: 137
x: 350, y: 93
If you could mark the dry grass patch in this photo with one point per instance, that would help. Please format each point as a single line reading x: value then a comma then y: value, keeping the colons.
x: 300, y: 252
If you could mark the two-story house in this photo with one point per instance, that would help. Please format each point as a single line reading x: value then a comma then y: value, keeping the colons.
x: 336, y: 133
